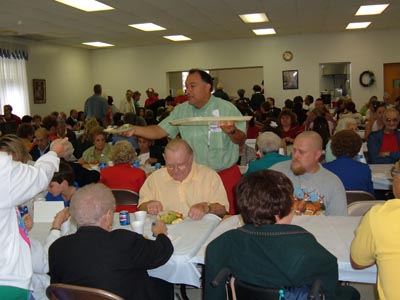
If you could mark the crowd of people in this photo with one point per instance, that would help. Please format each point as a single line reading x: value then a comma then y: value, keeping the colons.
x: 200, y: 175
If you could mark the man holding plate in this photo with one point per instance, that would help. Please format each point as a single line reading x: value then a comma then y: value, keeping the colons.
x: 215, y: 145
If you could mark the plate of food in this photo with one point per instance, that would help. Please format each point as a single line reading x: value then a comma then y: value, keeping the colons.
x: 308, y: 208
x: 170, y: 217
x: 123, y: 128
x: 201, y: 121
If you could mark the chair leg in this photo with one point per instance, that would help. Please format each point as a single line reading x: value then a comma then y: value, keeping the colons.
x: 183, y: 292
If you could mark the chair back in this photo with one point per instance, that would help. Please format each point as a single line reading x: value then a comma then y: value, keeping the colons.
x: 353, y: 196
x: 60, y: 291
x: 125, y: 200
x: 239, y: 290
x: 360, y: 208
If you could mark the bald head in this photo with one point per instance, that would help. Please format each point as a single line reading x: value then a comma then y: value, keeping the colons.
x: 90, y: 205
x: 313, y: 137
x: 178, y: 159
x: 307, y: 150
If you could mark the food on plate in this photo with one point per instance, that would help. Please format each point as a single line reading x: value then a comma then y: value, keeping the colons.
x: 308, y: 208
x: 122, y: 128
x: 171, y: 217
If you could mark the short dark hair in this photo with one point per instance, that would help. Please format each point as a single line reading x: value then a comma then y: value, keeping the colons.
x: 26, y: 119
x: 65, y: 172
x: 256, y: 88
x: 263, y: 195
x: 204, y: 76
x: 289, y: 113
x: 346, y: 142
x: 25, y: 130
x: 97, y: 89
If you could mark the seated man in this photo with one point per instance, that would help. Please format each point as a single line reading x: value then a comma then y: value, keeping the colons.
x: 42, y: 141
x: 310, y: 179
x: 116, y: 261
x: 376, y: 242
x: 183, y: 186
x: 384, y: 144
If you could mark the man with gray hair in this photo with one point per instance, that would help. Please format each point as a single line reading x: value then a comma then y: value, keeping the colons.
x: 96, y: 106
x: 116, y: 261
x: 268, y: 144
x: 310, y: 180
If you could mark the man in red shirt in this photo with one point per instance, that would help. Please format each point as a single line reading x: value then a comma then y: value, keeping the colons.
x: 384, y: 144
x: 151, y: 97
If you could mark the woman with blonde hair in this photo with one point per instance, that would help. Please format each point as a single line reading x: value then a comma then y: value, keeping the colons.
x: 123, y: 175
x: 85, y: 141
x: 14, y: 146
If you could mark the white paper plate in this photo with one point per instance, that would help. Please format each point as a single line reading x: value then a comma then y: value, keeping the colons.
x: 202, y: 121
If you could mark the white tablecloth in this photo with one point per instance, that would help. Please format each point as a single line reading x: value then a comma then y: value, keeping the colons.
x: 187, y: 238
x: 381, y: 177
x: 334, y: 233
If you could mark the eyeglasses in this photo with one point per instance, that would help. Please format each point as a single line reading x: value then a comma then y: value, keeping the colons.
x: 180, y: 167
x: 391, y: 120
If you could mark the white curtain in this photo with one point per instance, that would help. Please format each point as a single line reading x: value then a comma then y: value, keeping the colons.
x: 14, y: 85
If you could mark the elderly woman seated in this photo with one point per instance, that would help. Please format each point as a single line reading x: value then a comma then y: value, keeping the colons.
x: 100, y: 151
x: 355, y: 175
x: 268, y: 250
x: 123, y: 175
x: 268, y: 144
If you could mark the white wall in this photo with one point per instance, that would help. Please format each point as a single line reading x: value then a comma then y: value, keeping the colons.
x: 68, y: 75
x: 71, y: 73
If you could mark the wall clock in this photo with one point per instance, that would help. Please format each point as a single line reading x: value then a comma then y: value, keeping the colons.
x: 287, y: 55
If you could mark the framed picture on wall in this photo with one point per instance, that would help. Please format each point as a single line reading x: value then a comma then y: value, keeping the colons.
x: 290, y: 79
x: 39, y: 91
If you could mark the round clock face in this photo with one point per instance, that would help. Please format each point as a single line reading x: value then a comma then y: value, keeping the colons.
x: 287, y: 55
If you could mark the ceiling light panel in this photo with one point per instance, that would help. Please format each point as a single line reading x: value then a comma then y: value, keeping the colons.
x: 358, y: 25
x: 254, y: 18
x: 87, y: 5
x: 177, y: 38
x: 147, y: 27
x: 98, y: 44
x: 367, y: 10
x: 264, y: 31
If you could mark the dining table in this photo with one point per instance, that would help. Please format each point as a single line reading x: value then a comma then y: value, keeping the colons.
x: 381, y: 176
x: 335, y: 233
x: 187, y: 238
x: 191, y: 237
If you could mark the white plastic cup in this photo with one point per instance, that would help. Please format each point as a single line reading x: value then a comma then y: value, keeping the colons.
x: 140, y: 215
x: 138, y: 226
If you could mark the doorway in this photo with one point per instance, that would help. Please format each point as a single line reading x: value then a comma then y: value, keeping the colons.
x: 391, y: 80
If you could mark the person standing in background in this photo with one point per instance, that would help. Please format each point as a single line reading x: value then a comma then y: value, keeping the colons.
x: 96, y: 106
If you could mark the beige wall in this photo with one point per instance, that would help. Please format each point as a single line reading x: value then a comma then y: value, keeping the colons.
x: 70, y: 73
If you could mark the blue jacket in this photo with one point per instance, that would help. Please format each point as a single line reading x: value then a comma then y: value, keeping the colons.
x: 374, y: 143
x: 355, y: 175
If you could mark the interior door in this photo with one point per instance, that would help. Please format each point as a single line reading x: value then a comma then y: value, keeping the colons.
x: 391, y: 79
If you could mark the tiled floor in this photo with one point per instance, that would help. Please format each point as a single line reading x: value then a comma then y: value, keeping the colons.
x: 367, y: 291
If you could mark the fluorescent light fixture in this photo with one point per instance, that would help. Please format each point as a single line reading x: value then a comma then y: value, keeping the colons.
x: 177, y: 38
x: 358, y: 25
x: 98, y: 44
x: 147, y: 27
x: 86, y: 5
x: 367, y: 10
x: 264, y: 31
x: 254, y: 18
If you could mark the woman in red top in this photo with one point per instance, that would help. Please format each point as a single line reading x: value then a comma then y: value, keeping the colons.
x: 288, y: 125
x: 123, y: 175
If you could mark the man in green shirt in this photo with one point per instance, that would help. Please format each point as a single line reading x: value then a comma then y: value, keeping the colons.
x: 216, y: 146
